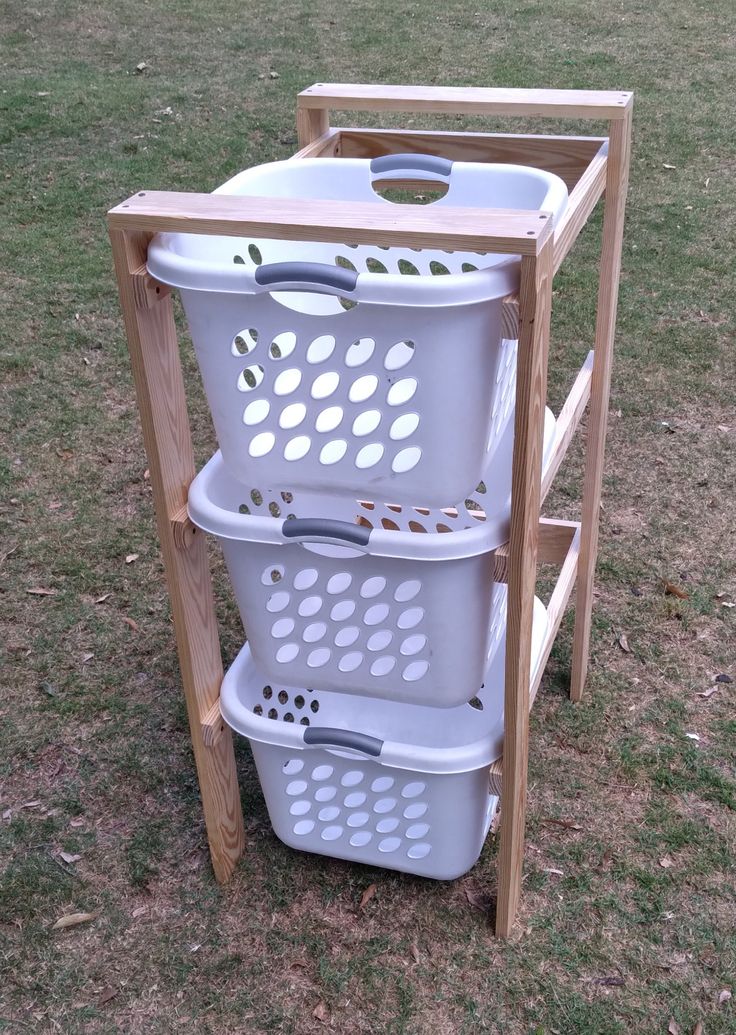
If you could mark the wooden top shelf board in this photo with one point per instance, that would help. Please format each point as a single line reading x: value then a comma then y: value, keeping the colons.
x: 499, y: 230
x: 462, y: 100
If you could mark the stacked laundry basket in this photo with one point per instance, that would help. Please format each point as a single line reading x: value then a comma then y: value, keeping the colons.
x: 363, y: 401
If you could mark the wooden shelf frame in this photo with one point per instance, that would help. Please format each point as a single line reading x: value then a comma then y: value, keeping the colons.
x: 592, y: 167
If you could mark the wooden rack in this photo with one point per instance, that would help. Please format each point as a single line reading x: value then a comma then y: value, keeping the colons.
x: 591, y: 167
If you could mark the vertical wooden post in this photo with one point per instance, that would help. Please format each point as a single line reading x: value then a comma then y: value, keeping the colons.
x: 311, y: 124
x: 610, y: 267
x: 154, y: 354
x: 535, y: 298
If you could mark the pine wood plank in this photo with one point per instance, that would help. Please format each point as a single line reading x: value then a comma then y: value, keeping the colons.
x: 610, y: 268
x: 154, y: 355
x: 535, y: 294
x: 467, y: 100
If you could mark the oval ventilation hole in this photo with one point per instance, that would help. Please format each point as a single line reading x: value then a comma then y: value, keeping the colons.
x: 399, y: 355
x: 305, y: 578
x: 310, y: 606
x: 406, y: 591
x: 361, y: 838
x: 287, y: 653
x: 288, y: 381
x: 339, y: 582
x: 374, y: 265
x: 344, y: 263
x: 351, y: 661
x: 413, y: 645
x: 354, y: 800
x: 342, y: 610
x: 386, y: 826
x: 298, y: 447
x: 314, y: 632
x: 413, y: 789
x: 328, y: 814
x: 333, y: 452
x: 271, y: 574
x: 304, y: 826
x: 372, y: 587
x: 300, y: 808
x: 438, y: 269
x: 404, y: 426
x: 401, y: 391
x: 329, y: 419
x: 419, y: 851
x: 369, y: 456
x: 324, y: 385
x: 325, y: 794
x: 416, y: 670
x: 406, y: 460
x: 250, y: 378
x: 282, y: 345
x: 292, y: 415
x: 321, y: 349
x: 261, y: 444
x: 366, y: 422
x: 331, y: 833
x: 389, y: 844
x: 277, y: 602
x: 281, y: 628
x: 244, y: 342
x: 363, y: 388
x: 380, y: 640
x: 255, y: 254
x: 407, y: 269
x: 347, y: 636
x: 352, y: 778
x: 322, y: 772
x: 318, y: 658
x: 383, y: 666
x: 415, y: 810
x: 256, y: 412
x: 376, y: 614
x: 296, y: 787
x: 359, y: 352
x: 410, y: 618
x: 292, y: 767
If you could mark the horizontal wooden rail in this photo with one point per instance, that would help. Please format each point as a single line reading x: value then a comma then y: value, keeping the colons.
x: 328, y: 145
x: 567, y: 157
x: 555, y: 537
x: 568, y: 421
x: 213, y: 725
x: 558, y: 531
x: 467, y: 100
x: 349, y: 222
x: 584, y: 196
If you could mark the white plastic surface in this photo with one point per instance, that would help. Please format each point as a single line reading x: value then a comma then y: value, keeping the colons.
x: 421, y: 805
x: 406, y: 617
x: 405, y: 394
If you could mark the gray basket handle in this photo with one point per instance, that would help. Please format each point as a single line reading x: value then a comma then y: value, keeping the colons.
x: 316, y: 529
x: 329, y: 737
x: 440, y: 167
x: 309, y: 275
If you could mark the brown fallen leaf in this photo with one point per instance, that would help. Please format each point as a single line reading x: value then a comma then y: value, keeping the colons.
x: 673, y: 1028
x: 141, y: 67
x: 665, y: 862
x: 73, y: 920
x: 40, y: 591
x: 102, y: 599
x: 723, y: 996
x: 131, y: 557
x: 87, y: 657
x: 367, y: 896
x: 624, y: 644
x: 31, y: 804
x: 666, y: 165
x: 414, y: 950
x: 551, y: 869
x: 69, y: 858
x: 672, y: 590
x: 132, y: 623
x: 565, y: 823
x: 78, y: 822
x: 139, y: 911
x: 698, y: 1029
x: 724, y: 599
x: 320, y: 1012
x: 107, y: 993
x: 709, y: 692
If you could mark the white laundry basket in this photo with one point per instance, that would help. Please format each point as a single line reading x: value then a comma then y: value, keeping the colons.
x: 379, y: 782
x: 367, y: 598
x: 403, y: 395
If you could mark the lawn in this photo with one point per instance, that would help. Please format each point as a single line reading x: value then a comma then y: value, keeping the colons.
x: 628, y: 913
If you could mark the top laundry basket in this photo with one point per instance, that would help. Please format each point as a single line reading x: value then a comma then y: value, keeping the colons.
x: 327, y: 367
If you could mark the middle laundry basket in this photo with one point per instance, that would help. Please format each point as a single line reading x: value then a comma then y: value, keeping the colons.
x: 377, y: 599
x: 361, y: 369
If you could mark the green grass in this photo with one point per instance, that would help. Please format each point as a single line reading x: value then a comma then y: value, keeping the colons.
x: 93, y: 728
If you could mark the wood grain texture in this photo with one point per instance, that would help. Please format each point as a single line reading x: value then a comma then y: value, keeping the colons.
x: 567, y: 157
x: 610, y: 268
x: 328, y: 145
x: 584, y: 197
x: 535, y: 294
x: 154, y: 355
x: 467, y: 100
x: 311, y: 124
x: 553, y: 543
x: 568, y: 421
x: 299, y: 219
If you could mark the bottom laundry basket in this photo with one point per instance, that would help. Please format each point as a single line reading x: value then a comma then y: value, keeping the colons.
x: 401, y: 786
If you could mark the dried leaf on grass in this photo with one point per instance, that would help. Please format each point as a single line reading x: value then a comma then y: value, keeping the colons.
x: 673, y: 1028
x: 624, y: 644
x: 367, y: 896
x: 672, y: 590
x: 102, y: 599
x: 698, y: 1029
x: 709, y: 692
x: 41, y: 591
x: 129, y: 558
x: 693, y: 736
x: 724, y: 599
x: 73, y: 920
x: 414, y: 950
x: 665, y: 862
x: 478, y: 899
x: 132, y: 623
x: 564, y: 823
x: 107, y: 993
x: 69, y: 858
x: 724, y: 996
x: 320, y: 1012
x: 139, y: 911
x: 31, y: 804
